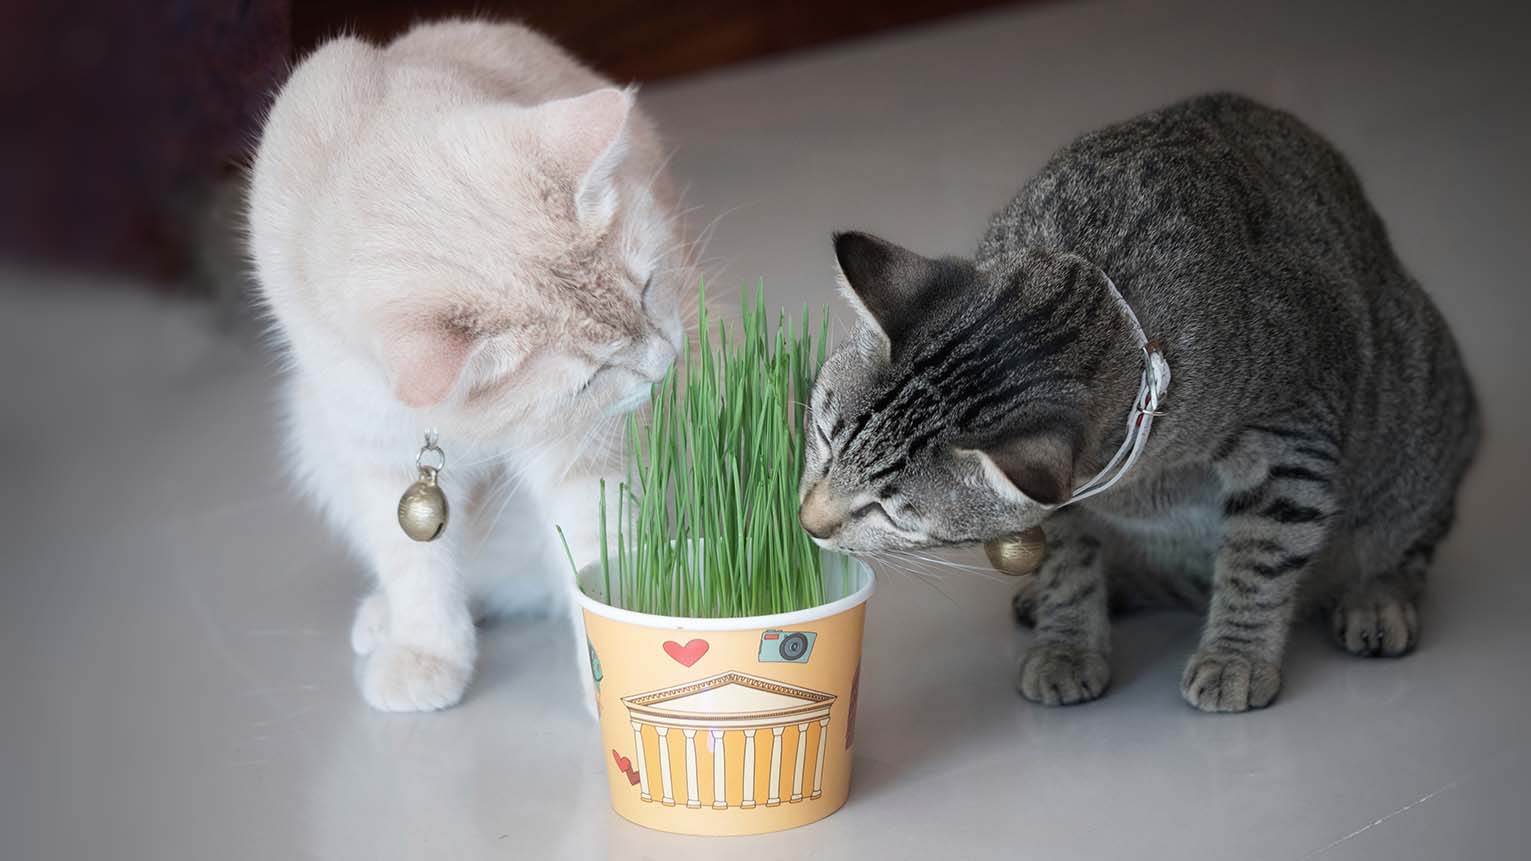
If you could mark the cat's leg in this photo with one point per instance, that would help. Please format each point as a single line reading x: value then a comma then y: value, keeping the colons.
x: 371, y: 624
x: 1027, y: 593
x: 1135, y: 580
x: 1377, y: 614
x: 1380, y: 617
x: 424, y: 658
x: 1067, y: 662
x: 514, y: 567
x: 1276, y: 519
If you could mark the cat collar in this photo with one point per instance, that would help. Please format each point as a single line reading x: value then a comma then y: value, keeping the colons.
x: 1140, y: 420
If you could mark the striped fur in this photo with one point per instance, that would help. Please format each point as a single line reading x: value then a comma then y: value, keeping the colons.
x: 1318, y: 426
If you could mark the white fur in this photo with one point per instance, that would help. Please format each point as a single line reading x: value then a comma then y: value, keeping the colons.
x: 453, y: 231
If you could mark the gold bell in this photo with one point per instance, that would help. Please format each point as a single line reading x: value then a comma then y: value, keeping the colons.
x: 1017, y: 554
x: 423, y: 508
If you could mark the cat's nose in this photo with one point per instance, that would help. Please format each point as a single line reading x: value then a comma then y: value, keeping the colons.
x: 658, y: 357
x: 821, y: 518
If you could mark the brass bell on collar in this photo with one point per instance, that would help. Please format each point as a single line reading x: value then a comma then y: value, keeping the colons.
x: 423, y: 508
x: 1021, y: 553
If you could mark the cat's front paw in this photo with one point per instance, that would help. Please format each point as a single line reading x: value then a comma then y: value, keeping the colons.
x: 1224, y: 682
x: 1055, y: 674
x: 1376, y: 623
x: 407, y: 679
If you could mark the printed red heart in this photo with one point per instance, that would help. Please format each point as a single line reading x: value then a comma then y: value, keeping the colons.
x: 688, y: 654
x: 633, y: 778
x: 622, y: 762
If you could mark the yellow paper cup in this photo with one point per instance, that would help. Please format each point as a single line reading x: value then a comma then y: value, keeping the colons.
x: 729, y: 726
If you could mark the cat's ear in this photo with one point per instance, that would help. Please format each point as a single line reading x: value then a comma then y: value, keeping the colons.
x: 1036, y: 466
x: 424, y: 359
x: 587, y: 138
x: 886, y: 283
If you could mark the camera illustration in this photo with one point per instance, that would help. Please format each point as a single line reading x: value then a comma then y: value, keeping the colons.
x: 786, y: 647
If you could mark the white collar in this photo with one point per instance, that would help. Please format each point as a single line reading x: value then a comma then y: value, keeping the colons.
x: 1140, y: 420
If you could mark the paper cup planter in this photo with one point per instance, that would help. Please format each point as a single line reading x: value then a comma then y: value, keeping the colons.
x: 729, y: 726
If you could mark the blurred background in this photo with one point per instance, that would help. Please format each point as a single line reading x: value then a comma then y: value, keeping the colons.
x: 130, y: 125
x: 175, y: 680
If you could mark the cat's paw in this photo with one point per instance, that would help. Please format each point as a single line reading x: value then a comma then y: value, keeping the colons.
x: 406, y: 679
x: 371, y: 624
x: 1027, y: 594
x: 1055, y: 674
x: 1375, y: 623
x: 1224, y: 682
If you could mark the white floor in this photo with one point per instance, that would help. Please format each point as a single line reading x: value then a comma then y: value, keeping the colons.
x: 174, y: 675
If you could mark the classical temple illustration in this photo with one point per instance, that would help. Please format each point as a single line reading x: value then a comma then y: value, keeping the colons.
x: 729, y: 709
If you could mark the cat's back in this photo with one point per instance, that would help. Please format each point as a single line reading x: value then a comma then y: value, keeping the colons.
x: 354, y: 116
x: 1244, y: 240
x: 456, y: 63
x: 471, y: 60
x: 1219, y: 174
x: 347, y: 83
x: 323, y: 107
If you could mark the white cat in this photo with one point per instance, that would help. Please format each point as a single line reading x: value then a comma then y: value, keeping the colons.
x: 464, y: 230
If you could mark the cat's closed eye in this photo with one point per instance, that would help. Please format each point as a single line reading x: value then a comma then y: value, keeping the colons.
x: 594, y: 374
x: 869, y: 509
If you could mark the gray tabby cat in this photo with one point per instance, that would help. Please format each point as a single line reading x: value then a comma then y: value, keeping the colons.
x: 1318, y: 423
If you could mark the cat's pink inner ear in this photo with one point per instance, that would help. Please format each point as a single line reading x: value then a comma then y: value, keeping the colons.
x: 424, y: 364
x: 584, y: 135
x: 1039, y: 466
x: 881, y: 281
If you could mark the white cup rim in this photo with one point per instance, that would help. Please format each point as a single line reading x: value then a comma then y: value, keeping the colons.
x: 732, y: 623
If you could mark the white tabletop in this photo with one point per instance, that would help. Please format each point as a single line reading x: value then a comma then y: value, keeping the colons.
x: 175, y: 680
